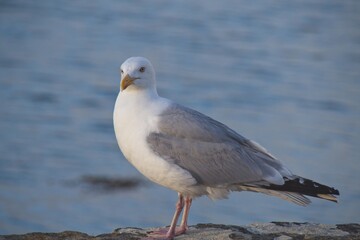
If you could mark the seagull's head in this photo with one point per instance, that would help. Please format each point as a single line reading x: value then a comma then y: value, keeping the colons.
x: 137, y: 73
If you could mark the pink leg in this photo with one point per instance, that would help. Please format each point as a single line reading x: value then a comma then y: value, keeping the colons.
x: 171, y: 233
x: 179, y: 207
x: 184, y: 225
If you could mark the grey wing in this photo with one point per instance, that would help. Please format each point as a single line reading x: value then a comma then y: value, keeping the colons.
x: 213, y: 153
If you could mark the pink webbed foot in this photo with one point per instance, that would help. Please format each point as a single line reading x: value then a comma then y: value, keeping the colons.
x: 172, y: 231
x: 163, y: 233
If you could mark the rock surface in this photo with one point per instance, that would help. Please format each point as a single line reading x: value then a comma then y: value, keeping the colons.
x: 255, y: 231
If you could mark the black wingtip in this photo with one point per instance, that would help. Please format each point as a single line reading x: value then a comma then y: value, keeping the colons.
x: 307, y: 187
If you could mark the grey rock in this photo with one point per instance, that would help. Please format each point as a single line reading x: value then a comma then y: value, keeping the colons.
x: 283, y: 237
x: 255, y: 231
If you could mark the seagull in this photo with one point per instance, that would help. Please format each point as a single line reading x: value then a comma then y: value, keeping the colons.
x: 193, y: 154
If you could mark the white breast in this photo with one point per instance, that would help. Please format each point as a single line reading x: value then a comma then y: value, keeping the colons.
x: 135, y: 116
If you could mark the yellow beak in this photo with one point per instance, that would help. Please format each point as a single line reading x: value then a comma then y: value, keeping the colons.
x: 126, y: 81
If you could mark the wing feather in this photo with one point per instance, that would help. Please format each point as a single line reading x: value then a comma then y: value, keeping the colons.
x: 213, y: 153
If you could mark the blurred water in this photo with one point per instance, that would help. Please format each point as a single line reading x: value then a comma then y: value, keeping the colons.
x: 284, y: 73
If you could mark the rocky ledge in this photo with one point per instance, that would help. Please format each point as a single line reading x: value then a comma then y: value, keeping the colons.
x: 267, y: 231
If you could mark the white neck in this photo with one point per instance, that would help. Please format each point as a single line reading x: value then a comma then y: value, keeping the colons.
x: 139, y: 93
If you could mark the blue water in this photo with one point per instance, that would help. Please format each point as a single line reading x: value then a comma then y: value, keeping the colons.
x: 283, y: 73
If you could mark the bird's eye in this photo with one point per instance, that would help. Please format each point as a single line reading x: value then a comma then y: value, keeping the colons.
x: 142, y: 69
x: 122, y: 71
